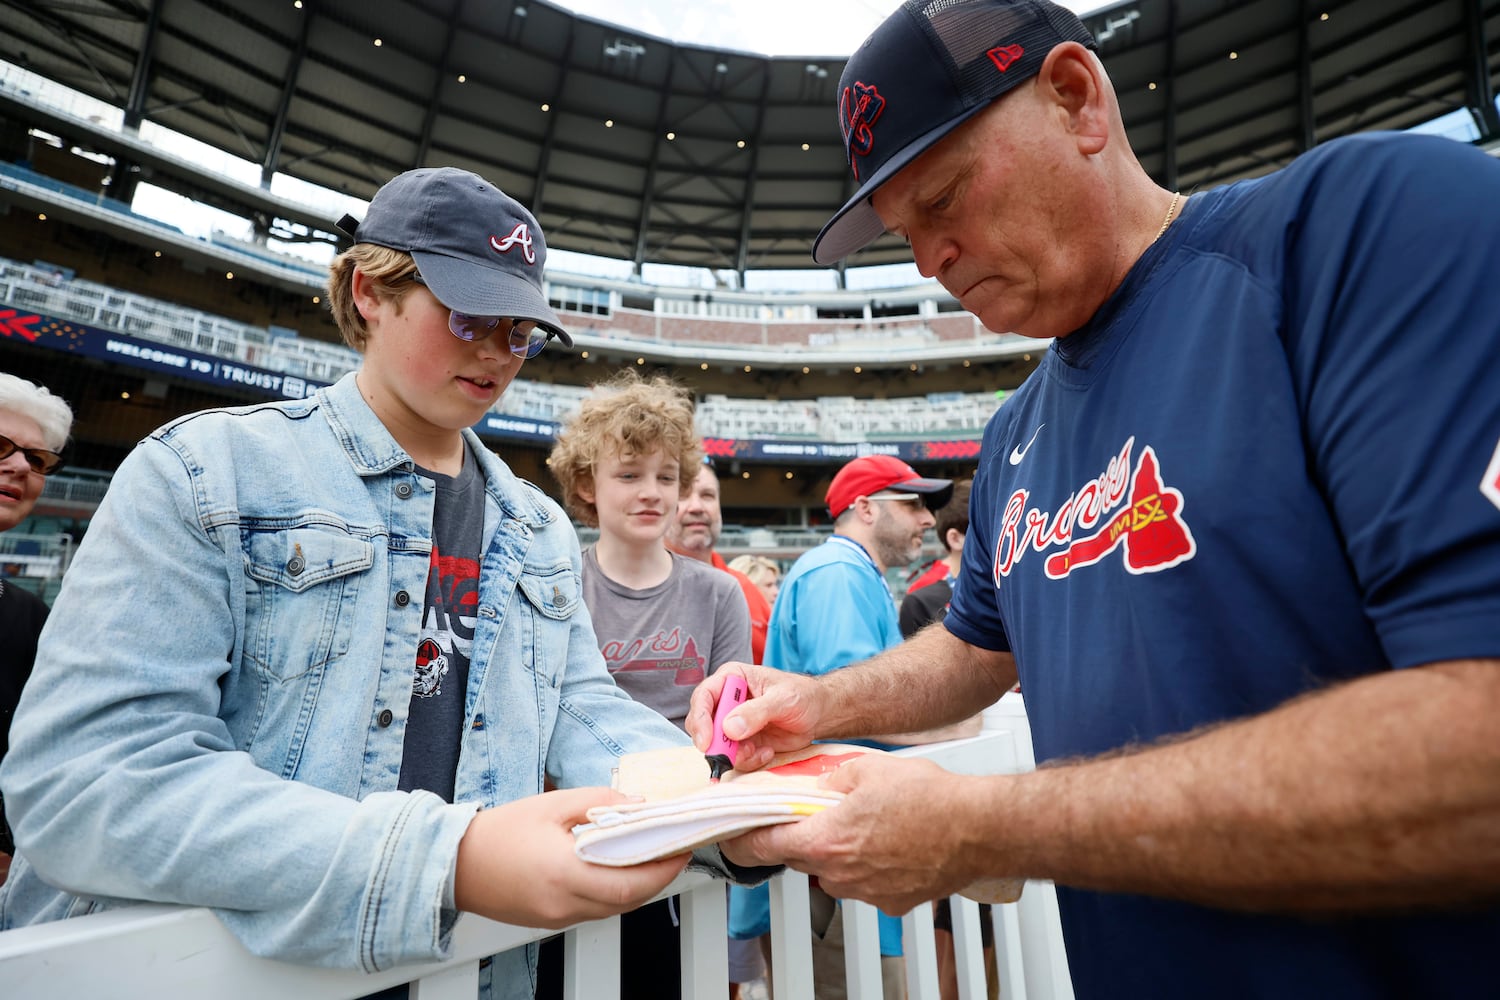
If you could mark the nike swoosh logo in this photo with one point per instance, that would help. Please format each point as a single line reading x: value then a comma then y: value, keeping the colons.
x: 1016, y: 454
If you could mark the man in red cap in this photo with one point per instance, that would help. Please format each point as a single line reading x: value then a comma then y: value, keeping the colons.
x: 836, y: 608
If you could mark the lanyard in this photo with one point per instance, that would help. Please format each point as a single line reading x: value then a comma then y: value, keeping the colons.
x: 864, y: 552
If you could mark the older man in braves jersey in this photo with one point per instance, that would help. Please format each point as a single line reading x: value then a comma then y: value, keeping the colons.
x: 1238, y: 536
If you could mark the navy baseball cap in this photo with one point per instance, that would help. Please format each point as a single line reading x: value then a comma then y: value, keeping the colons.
x: 479, y: 250
x: 931, y: 66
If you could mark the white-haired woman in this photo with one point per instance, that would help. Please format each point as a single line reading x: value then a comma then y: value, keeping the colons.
x: 34, y: 426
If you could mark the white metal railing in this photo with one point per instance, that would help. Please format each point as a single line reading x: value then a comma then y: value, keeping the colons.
x: 153, y: 951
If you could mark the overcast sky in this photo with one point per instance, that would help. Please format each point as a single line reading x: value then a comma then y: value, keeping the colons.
x: 771, y: 27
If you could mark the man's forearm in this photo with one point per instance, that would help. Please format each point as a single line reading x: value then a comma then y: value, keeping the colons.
x: 1383, y: 792
x: 971, y: 726
x: 932, y: 680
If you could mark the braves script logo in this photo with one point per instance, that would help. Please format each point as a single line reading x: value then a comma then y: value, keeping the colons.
x: 859, y: 108
x: 520, y: 236
x: 1005, y: 56
x: 1150, y: 528
x: 664, y: 651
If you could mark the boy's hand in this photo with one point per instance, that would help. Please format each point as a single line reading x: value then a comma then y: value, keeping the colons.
x: 516, y: 865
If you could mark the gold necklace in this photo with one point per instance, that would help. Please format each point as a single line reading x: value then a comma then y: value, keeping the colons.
x: 1171, y: 210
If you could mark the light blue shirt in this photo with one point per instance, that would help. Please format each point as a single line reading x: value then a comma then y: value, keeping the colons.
x: 218, y: 708
x: 834, y: 609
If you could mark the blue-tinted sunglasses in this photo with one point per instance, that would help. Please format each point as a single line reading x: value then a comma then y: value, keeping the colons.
x: 526, y: 338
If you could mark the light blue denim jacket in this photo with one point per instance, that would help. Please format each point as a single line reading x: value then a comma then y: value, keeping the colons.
x: 217, y: 712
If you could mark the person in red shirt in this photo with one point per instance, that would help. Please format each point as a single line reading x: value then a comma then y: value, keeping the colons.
x: 694, y: 534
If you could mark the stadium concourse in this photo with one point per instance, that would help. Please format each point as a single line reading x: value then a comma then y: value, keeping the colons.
x: 631, y: 148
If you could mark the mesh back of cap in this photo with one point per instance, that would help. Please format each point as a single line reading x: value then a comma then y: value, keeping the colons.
x: 965, y: 30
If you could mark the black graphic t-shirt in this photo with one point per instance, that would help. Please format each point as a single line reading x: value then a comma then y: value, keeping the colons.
x: 434, y: 728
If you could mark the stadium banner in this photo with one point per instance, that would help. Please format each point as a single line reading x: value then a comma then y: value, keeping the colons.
x: 823, y: 452
x: 505, y: 425
x: 88, y: 341
x: 79, y: 339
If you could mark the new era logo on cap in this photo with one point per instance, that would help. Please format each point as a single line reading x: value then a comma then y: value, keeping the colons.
x: 931, y: 66
x: 1005, y: 56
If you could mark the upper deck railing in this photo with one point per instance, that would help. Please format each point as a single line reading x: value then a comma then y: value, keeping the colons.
x: 28, y: 287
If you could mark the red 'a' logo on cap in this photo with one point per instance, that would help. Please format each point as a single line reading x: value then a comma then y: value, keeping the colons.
x: 520, y: 236
x: 1005, y: 56
x: 859, y: 108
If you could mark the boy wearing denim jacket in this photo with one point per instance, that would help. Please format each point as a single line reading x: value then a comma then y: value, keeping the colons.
x: 315, y: 660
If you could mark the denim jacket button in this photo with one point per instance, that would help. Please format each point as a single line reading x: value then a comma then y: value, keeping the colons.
x: 403, y: 490
x: 385, y: 718
x: 296, y: 565
x: 402, y: 599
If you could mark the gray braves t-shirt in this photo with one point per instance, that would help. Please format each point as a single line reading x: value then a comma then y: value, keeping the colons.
x: 660, y: 642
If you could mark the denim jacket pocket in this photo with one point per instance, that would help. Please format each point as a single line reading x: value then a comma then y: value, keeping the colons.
x: 555, y: 594
x: 301, y: 591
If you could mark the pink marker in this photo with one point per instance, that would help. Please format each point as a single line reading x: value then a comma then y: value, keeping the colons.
x: 722, y: 750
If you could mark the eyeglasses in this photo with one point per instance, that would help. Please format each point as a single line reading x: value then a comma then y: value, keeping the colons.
x: 909, y: 499
x: 526, y: 338
x: 42, y: 461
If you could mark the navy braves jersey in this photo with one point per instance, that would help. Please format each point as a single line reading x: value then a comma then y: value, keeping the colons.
x: 1271, y: 461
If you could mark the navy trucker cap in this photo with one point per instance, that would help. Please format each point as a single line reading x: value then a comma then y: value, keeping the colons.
x: 929, y: 67
x: 479, y: 250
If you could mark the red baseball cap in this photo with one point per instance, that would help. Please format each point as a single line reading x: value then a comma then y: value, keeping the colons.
x: 872, y: 474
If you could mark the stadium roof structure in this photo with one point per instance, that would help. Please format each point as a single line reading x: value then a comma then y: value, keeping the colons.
x: 634, y: 147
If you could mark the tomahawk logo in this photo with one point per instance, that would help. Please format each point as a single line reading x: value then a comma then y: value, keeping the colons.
x: 1149, y: 527
x: 859, y: 108
x: 520, y: 236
